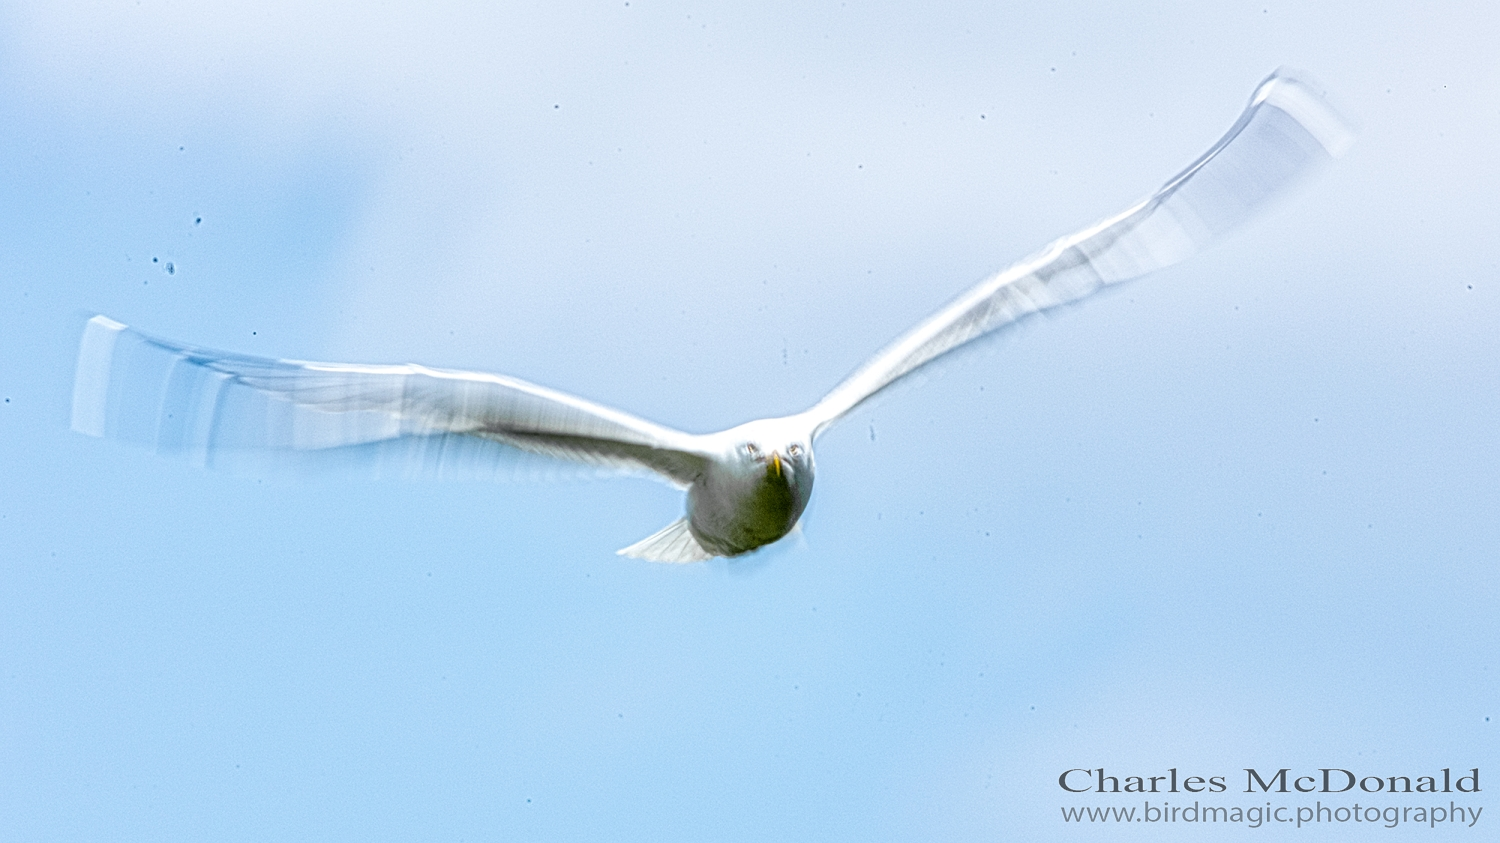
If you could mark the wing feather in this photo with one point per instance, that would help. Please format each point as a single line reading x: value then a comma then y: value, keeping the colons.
x: 1286, y: 130
x: 215, y: 405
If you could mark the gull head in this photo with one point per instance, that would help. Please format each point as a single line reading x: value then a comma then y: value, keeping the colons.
x: 777, y: 451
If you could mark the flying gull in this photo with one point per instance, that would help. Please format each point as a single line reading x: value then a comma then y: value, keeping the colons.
x: 746, y: 486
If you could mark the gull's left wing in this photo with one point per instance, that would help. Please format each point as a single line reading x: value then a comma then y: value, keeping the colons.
x: 1286, y: 130
x: 218, y: 406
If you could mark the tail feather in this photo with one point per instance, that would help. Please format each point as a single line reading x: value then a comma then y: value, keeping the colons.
x: 672, y: 543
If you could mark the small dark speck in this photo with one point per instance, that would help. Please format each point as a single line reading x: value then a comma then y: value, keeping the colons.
x: 1471, y: 286
x: 555, y: 106
x: 171, y: 269
x: 179, y: 149
x: 981, y: 117
x: 197, y: 220
x: 7, y: 400
x: 252, y: 333
x: 153, y: 260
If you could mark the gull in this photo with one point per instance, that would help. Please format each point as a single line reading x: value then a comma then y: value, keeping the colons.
x: 746, y: 486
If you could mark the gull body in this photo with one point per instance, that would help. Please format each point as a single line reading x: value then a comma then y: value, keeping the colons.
x: 747, y: 486
x: 754, y: 489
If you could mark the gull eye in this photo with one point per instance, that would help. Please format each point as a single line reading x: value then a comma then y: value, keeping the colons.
x: 793, y: 449
x: 751, y: 449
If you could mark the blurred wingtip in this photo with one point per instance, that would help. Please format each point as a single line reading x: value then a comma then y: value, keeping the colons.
x: 1297, y: 93
x: 91, y: 379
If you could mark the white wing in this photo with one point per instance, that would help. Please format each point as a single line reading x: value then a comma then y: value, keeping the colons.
x: 1286, y: 130
x: 219, y: 406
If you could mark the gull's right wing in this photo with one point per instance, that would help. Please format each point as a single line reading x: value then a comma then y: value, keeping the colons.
x: 221, y: 407
x: 1286, y: 130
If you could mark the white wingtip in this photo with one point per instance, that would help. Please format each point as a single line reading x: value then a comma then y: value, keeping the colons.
x: 91, y: 380
x: 672, y: 543
x: 1295, y: 93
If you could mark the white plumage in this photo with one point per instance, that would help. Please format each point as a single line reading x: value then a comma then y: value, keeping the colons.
x: 747, y: 486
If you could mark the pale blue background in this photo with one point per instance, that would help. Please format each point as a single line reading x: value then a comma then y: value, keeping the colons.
x: 1242, y: 513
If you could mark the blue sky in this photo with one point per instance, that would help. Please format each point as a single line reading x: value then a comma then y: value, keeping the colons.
x: 1238, y: 514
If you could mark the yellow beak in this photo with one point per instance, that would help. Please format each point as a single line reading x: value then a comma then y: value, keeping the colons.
x: 776, y: 463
